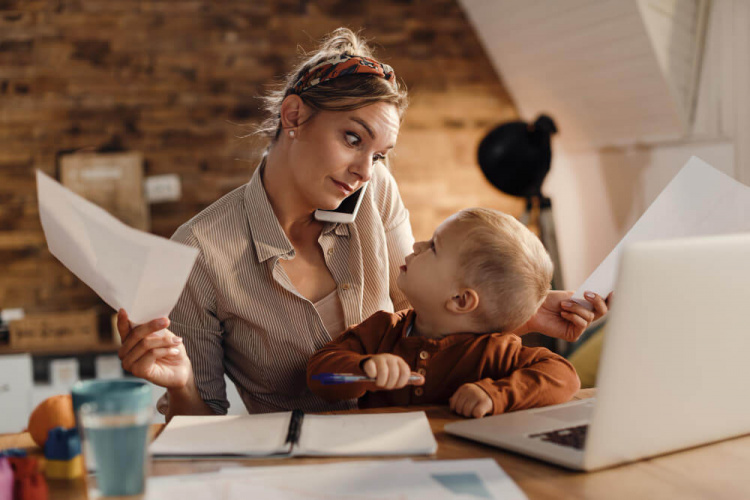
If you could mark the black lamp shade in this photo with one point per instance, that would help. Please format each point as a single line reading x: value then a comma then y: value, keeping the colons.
x: 515, y: 156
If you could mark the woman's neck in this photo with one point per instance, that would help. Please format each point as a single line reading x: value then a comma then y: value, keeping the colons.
x: 293, y: 215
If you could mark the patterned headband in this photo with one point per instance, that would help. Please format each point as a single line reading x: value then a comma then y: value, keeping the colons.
x: 342, y: 65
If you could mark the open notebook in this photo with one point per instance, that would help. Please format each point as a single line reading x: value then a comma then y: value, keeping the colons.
x: 296, y: 434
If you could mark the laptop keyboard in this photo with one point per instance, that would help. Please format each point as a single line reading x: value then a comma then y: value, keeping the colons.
x: 575, y: 437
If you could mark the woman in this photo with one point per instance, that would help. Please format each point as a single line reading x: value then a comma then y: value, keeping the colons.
x: 271, y: 283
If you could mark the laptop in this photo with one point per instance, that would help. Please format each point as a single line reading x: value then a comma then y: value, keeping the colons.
x: 673, y: 371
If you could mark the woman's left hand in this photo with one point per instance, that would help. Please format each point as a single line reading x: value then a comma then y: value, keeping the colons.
x: 563, y: 318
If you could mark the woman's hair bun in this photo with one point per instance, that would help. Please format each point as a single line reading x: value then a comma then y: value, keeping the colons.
x: 342, y: 40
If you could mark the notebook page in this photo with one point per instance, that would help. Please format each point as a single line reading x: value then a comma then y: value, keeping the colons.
x: 252, y: 435
x: 371, y: 434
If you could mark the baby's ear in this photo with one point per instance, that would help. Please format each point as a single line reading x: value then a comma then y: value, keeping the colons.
x: 465, y: 301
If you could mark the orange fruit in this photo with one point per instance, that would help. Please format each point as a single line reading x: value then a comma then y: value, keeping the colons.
x: 55, y: 411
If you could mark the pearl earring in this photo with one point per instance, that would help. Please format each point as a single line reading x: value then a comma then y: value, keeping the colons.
x: 291, y: 134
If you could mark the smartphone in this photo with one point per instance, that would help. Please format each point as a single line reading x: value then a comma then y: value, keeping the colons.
x: 347, y: 211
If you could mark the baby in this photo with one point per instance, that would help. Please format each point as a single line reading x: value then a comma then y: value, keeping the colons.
x: 482, y: 275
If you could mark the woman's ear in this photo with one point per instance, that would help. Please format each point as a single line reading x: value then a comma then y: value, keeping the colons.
x: 465, y: 301
x: 293, y: 112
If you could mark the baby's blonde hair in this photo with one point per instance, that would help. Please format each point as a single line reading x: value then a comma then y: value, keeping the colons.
x: 508, y: 267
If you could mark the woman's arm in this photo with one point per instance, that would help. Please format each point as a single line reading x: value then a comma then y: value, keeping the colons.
x: 153, y: 353
x: 187, y: 401
x: 194, y: 318
x: 563, y: 318
x: 187, y: 361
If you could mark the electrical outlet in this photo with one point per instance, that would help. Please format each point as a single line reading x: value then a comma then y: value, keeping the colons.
x: 161, y: 188
x: 8, y: 315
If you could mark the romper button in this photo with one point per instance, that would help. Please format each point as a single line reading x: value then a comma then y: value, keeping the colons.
x: 424, y: 355
x: 330, y: 251
x: 418, y: 391
x: 422, y: 372
x: 345, y: 286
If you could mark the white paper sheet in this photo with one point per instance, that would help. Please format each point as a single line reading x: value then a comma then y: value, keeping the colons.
x: 699, y: 201
x: 140, y: 272
x: 369, y: 480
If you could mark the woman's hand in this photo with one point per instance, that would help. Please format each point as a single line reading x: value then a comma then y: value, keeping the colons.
x: 153, y: 353
x: 389, y: 371
x: 563, y: 318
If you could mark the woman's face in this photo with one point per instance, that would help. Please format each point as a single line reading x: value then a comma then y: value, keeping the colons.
x: 333, y: 153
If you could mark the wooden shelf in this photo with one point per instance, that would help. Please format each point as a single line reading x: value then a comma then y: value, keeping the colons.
x: 72, y: 350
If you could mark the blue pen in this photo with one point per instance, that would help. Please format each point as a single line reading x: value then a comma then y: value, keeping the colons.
x: 345, y: 378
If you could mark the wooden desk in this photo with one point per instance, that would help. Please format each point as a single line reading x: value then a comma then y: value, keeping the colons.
x: 719, y: 470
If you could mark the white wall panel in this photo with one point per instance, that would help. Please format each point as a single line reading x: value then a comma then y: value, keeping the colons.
x: 592, y: 64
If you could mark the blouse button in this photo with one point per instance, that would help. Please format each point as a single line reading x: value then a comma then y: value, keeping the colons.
x: 330, y: 251
x: 424, y: 355
x: 345, y: 286
x: 422, y: 372
x: 418, y: 391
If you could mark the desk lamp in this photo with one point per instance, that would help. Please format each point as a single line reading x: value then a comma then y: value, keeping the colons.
x: 515, y: 157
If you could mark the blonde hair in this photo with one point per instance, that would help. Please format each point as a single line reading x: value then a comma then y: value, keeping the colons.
x: 507, y: 265
x: 344, y: 93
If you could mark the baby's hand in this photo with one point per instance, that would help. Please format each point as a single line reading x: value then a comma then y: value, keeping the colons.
x: 471, y: 401
x: 389, y: 371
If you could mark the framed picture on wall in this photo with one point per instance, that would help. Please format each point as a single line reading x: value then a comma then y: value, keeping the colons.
x: 114, y: 181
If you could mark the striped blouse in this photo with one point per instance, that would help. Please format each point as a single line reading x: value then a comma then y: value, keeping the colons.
x: 240, y: 313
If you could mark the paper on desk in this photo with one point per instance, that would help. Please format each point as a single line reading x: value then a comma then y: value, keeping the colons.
x: 699, y: 201
x: 140, y: 272
x: 370, y: 480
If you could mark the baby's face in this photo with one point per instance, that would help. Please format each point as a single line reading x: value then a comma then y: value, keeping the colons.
x: 428, y: 278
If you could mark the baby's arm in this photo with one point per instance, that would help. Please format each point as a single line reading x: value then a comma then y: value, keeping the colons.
x: 470, y: 400
x: 389, y: 371
x: 356, y: 351
x: 341, y: 355
x: 518, y: 377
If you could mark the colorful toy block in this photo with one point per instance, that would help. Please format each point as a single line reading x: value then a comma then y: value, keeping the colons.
x: 63, y: 453
x: 13, y: 452
x: 6, y: 479
x: 28, y: 482
x: 62, y: 444
x: 64, y: 469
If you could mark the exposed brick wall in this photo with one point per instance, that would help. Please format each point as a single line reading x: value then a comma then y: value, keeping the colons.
x: 178, y: 81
